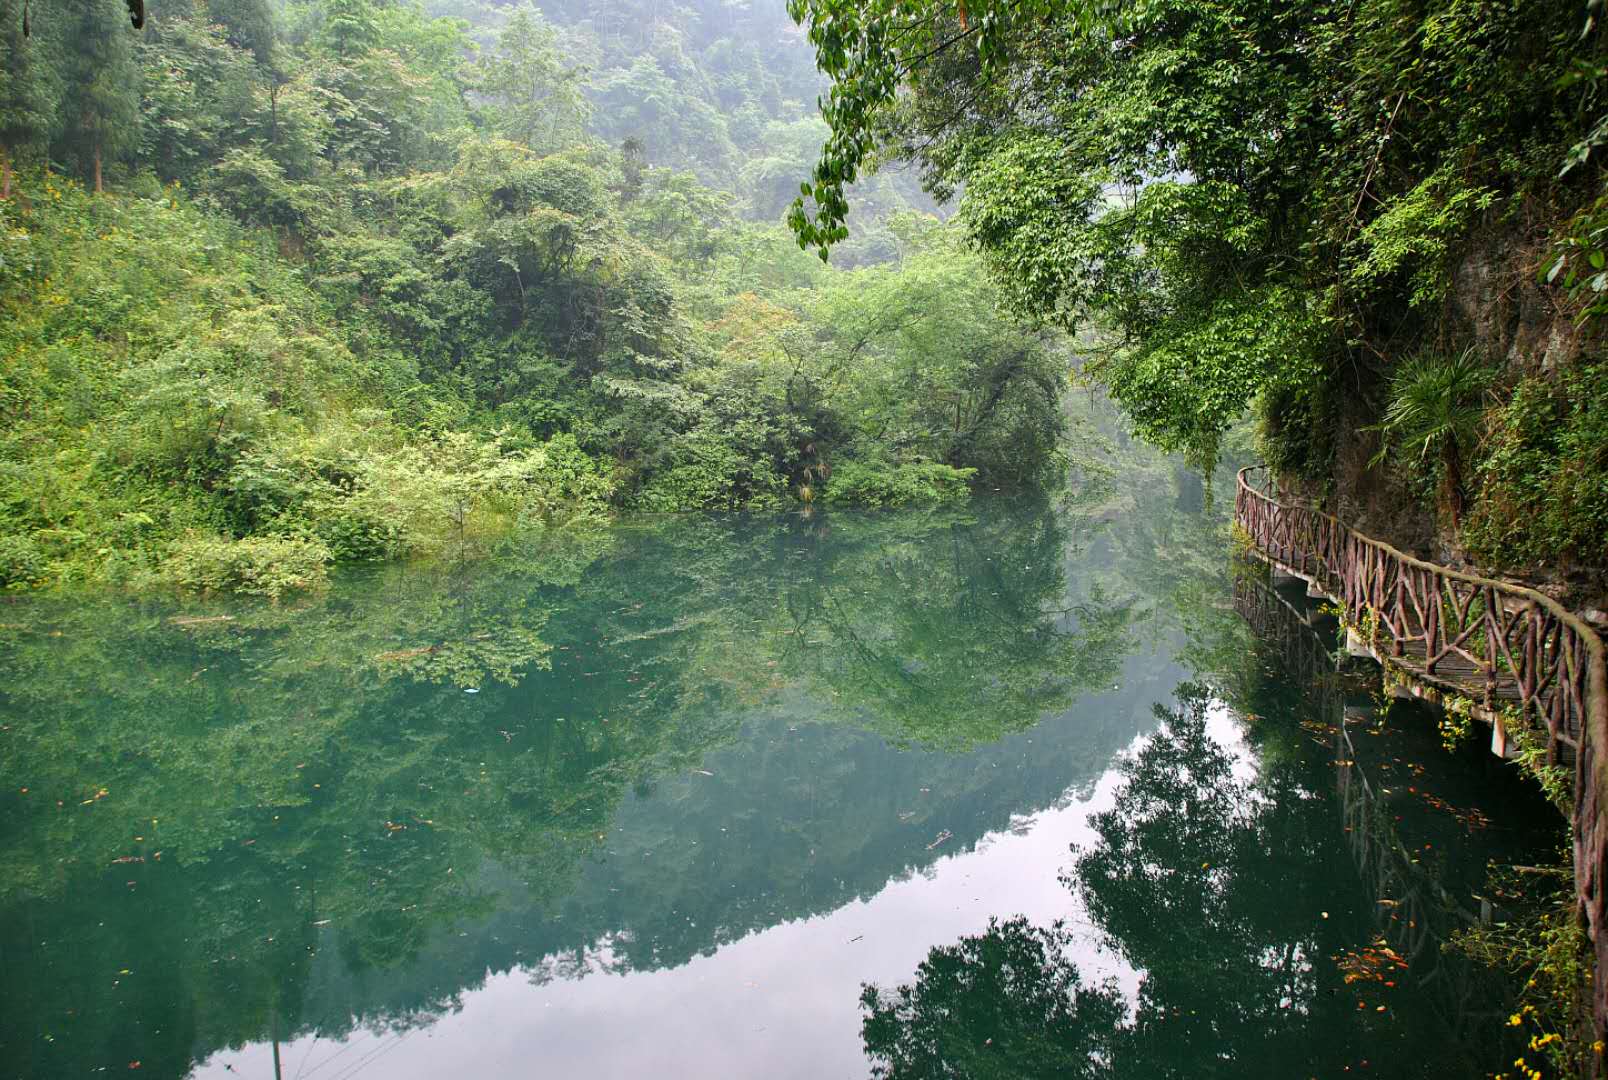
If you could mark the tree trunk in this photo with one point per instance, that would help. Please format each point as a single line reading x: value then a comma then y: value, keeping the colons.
x: 5, y: 173
x: 1453, y: 463
x: 98, y: 188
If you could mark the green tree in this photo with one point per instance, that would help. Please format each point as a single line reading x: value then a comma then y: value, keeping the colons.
x: 539, y: 100
x: 100, y: 79
x: 249, y: 25
x: 27, y: 97
x: 1434, y: 411
x: 198, y: 96
x: 349, y: 28
x: 1250, y: 202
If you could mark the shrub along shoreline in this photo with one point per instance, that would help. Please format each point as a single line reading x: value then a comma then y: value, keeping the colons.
x: 185, y: 405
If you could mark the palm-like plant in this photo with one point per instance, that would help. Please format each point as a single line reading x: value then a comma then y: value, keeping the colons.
x: 1435, y: 407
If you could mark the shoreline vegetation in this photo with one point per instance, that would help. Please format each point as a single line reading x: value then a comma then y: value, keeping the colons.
x: 188, y: 410
x: 187, y: 407
x: 294, y: 286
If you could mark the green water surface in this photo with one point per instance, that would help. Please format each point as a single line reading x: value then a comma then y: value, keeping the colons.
x: 1010, y: 792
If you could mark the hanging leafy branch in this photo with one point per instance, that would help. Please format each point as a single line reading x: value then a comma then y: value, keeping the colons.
x: 870, y: 50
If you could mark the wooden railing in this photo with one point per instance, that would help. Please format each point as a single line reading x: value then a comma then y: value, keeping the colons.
x: 1515, y: 652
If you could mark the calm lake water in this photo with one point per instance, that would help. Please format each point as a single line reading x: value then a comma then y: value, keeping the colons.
x: 1012, y: 792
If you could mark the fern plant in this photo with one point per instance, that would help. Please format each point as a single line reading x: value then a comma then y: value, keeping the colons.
x: 1434, y: 412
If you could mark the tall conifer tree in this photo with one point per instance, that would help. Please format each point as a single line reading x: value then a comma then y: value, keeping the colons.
x: 100, y: 108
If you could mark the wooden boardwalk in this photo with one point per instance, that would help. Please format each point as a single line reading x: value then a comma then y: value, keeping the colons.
x: 1516, y: 655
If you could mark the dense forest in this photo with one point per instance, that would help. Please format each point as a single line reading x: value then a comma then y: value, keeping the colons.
x: 292, y: 286
x: 1381, y: 224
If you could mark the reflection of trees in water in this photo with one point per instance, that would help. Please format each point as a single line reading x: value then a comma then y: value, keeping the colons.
x: 1426, y: 891
x: 957, y: 639
x: 1006, y: 1003
x: 1211, y: 886
x: 1232, y: 896
x: 331, y: 802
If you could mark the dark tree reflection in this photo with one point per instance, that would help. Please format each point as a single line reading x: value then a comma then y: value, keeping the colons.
x: 1205, y: 882
x: 1008, y: 1002
x: 1226, y: 885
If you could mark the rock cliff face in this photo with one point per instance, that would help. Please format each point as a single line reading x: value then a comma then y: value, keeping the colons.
x: 1496, y: 304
